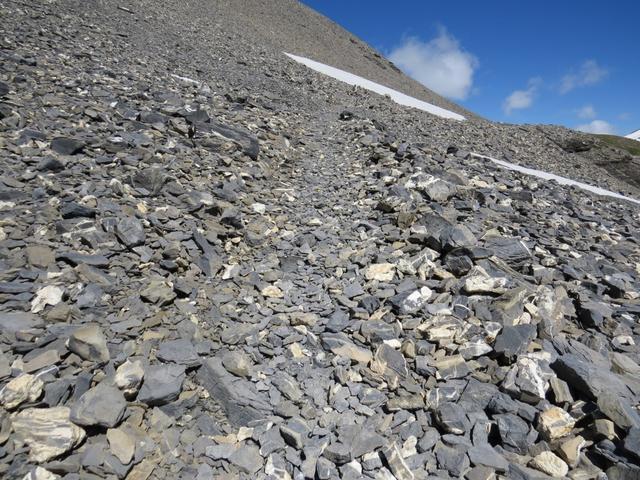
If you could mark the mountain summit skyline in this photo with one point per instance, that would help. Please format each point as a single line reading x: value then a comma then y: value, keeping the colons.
x: 511, y: 62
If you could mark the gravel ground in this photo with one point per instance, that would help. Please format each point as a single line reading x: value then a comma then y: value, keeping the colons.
x: 215, y: 263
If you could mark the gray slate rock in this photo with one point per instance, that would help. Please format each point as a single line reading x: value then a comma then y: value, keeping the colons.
x: 162, y: 384
x: 102, y: 405
x: 89, y: 343
x: 591, y: 379
x: 489, y: 457
x: 513, y: 340
x: 619, y: 410
x: 514, y: 432
x: 67, y: 146
x: 180, y: 351
x: 247, y: 459
x: 239, y: 398
x: 130, y: 232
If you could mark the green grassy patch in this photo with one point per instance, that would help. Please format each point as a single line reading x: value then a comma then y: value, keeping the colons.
x: 626, y: 144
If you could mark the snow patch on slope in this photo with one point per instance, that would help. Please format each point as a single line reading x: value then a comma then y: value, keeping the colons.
x: 634, y: 135
x: 396, y: 96
x: 557, y: 178
x: 408, y: 101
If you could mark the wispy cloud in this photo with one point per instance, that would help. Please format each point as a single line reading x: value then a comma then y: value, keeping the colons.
x: 587, y: 112
x: 596, y: 126
x: 521, y: 99
x: 440, y: 64
x: 589, y: 73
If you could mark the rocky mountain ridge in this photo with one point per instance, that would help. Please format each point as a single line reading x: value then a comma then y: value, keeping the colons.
x: 216, y: 263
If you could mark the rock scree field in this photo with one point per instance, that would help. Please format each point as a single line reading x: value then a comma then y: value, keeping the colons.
x: 216, y: 263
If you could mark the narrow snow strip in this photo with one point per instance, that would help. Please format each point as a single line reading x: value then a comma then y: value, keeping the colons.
x: 557, y: 178
x: 396, y: 96
x: 408, y: 101
x: 634, y: 135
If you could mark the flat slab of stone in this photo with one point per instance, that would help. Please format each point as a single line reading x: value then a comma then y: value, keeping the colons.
x: 240, y: 399
x: 48, y: 431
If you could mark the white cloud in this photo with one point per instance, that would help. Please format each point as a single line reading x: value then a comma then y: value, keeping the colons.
x: 596, y: 126
x: 440, y: 64
x: 520, y: 99
x: 587, y: 112
x: 589, y: 73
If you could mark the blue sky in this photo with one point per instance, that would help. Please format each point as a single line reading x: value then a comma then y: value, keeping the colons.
x: 564, y: 62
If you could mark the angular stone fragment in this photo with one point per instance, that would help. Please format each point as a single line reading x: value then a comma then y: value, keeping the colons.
x: 479, y: 282
x: 248, y: 142
x: 237, y: 363
x: 555, y: 423
x: 512, y: 250
x: 605, y: 428
x: 378, y: 331
x: 618, y: 410
x: 75, y: 258
x: 162, y: 384
x: 221, y: 452
x: 67, y: 146
x: 180, y: 351
x: 396, y: 463
x: 76, y: 210
x: 239, y: 398
x: 271, y: 291
x: 46, y: 359
x: 622, y: 364
x: 295, y: 432
x: 456, y: 236
x: 570, y: 450
x: 551, y: 464
x: 452, y: 418
x: 89, y: 343
x: 25, y: 388
x: 49, y: 295
x: 122, y: 444
x: 48, y: 431
x: 130, y: 232
x: 526, y: 380
x: 590, y: 378
x: 19, y: 321
x: 340, y: 344
x: 40, y: 256
x: 383, y: 272
x: 480, y: 472
x: 452, y: 367
x: 247, y: 459
x: 392, y: 359
x: 129, y: 377
x: 452, y: 459
x: 411, y: 302
x: 513, y: 340
x: 488, y: 456
x: 561, y: 391
x: 102, y: 405
x: 632, y: 443
x: 514, y: 432
x: 338, y: 453
x: 159, y: 292
x: 474, y: 349
x: 405, y: 402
